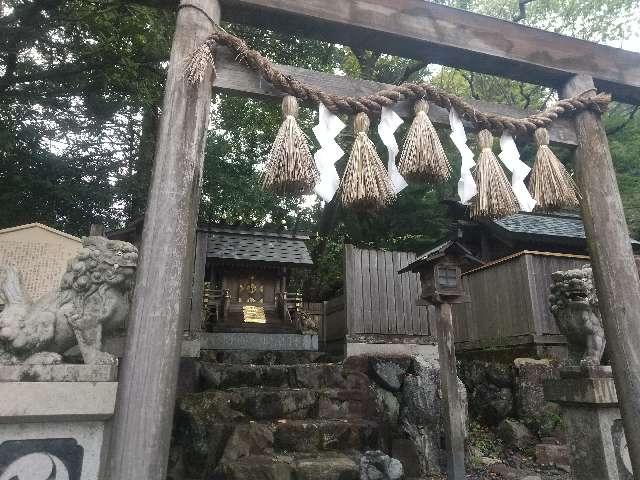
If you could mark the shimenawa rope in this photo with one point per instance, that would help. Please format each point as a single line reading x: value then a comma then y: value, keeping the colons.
x: 372, y: 104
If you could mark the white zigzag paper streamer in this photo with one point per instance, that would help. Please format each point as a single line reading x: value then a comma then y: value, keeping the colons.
x: 329, y: 126
x: 466, y: 185
x: 519, y: 171
x: 389, y: 123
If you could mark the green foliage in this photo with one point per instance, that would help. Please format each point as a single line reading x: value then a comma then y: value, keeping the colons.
x: 75, y: 78
x: 594, y: 20
x: 546, y: 424
x: 484, y: 441
x: 81, y: 83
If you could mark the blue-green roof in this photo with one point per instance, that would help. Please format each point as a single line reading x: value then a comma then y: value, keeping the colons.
x: 556, y: 226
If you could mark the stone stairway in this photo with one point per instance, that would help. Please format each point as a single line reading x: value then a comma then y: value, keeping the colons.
x: 276, y: 417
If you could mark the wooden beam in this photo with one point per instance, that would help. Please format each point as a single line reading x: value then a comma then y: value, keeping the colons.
x: 451, y: 401
x: 238, y: 78
x: 614, y: 269
x: 448, y: 36
x: 143, y: 419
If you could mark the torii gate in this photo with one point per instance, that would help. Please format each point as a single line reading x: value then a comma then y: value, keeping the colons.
x: 408, y: 28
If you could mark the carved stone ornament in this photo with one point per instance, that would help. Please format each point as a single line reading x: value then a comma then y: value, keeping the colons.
x: 574, y: 305
x: 94, y: 297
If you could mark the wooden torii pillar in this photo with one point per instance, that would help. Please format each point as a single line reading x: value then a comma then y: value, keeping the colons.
x: 614, y: 268
x: 141, y: 432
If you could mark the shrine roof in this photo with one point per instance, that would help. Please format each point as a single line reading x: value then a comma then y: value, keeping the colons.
x: 562, y: 225
x: 450, y: 246
x: 258, y: 246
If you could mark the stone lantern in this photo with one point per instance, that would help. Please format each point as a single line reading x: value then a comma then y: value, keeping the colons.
x: 440, y: 272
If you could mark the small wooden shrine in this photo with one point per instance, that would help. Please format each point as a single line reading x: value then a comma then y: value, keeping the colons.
x: 246, y: 280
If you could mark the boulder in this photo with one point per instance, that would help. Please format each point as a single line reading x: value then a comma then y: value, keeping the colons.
x: 529, y: 394
x: 257, y: 468
x: 248, y: 439
x: 404, y: 449
x: 492, y: 403
x: 266, y: 404
x: 387, y: 405
x: 329, y: 466
x: 200, y: 431
x: 421, y: 413
x: 421, y: 395
x: 317, y: 376
x: 490, y: 388
x: 389, y: 374
x: 550, y: 454
x: 515, y: 435
x: 376, y: 465
x: 504, y: 471
x: 500, y: 374
x: 423, y: 455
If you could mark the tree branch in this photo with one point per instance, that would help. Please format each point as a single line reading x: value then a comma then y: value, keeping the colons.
x: 367, y: 61
x: 523, y: 10
x: 472, y: 89
x: 617, y: 128
x: 411, y: 69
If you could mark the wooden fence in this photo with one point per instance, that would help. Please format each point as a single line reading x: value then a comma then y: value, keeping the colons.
x: 377, y: 299
x: 510, y: 301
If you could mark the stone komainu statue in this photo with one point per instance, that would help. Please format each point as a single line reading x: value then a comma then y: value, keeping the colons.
x: 574, y: 305
x: 94, y: 296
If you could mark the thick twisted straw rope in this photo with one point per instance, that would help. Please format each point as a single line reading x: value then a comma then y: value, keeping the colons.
x: 372, y: 104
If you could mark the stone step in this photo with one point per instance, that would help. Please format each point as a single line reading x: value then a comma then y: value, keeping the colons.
x: 310, y: 436
x: 320, y: 375
x: 330, y: 466
x: 249, y: 403
x: 266, y: 357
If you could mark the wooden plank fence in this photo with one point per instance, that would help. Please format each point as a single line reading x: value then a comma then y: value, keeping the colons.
x: 510, y: 300
x: 377, y: 299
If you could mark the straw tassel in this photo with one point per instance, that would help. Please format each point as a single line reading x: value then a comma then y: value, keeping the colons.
x: 365, y: 184
x: 423, y: 158
x: 199, y: 63
x: 551, y: 185
x: 495, y: 197
x: 290, y: 167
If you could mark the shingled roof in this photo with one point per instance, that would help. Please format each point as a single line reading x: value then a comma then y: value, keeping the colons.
x: 450, y: 246
x: 551, y: 226
x: 258, y: 246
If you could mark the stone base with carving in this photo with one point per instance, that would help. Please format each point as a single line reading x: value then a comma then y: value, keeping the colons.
x: 589, y: 404
x: 54, y: 420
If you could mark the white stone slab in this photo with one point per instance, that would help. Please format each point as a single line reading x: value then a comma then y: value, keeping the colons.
x: 116, y: 346
x: 56, y: 401
x: 58, y: 373
x: 427, y: 351
x: 259, y: 341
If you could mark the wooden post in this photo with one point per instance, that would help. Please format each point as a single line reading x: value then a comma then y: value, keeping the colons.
x: 141, y: 431
x: 451, y: 402
x: 614, y: 269
x: 199, y: 272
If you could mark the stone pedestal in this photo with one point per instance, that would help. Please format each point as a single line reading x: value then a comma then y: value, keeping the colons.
x: 587, y: 396
x: 54, y: 420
